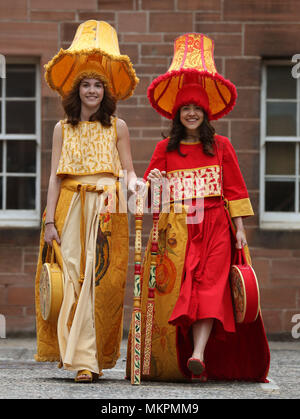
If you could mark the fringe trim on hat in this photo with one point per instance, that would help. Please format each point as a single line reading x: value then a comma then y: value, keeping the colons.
x: 217, y: 77
x: 124, y: 59
x: 90, y: 74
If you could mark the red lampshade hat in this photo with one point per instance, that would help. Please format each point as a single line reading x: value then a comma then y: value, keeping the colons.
x: 192, y: 76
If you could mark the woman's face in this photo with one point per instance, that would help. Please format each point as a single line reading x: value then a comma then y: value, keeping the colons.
x: 191, y: 117
x: 91, y: 92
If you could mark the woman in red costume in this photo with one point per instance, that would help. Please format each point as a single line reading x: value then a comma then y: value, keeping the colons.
x: 195, y: 335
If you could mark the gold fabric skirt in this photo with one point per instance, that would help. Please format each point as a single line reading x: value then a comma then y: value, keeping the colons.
x: 94, y: 247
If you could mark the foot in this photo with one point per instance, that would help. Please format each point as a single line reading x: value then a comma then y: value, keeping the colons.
x: 86, y: 376
x: 202, y: 378
x: 196, y: 366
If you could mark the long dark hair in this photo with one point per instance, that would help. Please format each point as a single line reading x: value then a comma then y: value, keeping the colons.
x: 205, y: 133
x: 72, y: 107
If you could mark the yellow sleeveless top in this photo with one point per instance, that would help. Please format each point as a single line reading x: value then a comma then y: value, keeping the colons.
x: 89, y: 148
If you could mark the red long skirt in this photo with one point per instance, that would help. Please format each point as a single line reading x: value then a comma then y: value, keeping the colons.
x: 233, y: 351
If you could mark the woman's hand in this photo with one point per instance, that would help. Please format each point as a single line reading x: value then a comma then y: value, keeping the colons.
x: 156, y: 175
x: 51, y: 234
x: 241, y: 240
x: 136, y: 185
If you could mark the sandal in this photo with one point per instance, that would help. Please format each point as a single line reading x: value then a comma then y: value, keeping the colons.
x: 196, y: 366
x: 86, y: 376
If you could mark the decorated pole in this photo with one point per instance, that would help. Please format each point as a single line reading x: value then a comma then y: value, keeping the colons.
x: 152, y: 280
x: 136, y: 314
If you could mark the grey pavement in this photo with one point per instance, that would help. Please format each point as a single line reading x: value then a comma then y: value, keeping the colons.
x: 23, y: 378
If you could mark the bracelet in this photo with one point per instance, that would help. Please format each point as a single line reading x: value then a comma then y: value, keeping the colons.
x: 50, y: 222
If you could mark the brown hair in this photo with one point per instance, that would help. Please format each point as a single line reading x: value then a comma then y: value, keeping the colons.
x: 177, y: 133
x: 72, y: 106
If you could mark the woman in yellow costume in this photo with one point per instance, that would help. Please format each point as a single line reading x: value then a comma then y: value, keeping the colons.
x: 85, y: 212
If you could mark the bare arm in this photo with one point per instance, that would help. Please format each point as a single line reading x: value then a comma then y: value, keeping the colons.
x: 123, y: 146
x: 54, y: 187
x: 241, y: 240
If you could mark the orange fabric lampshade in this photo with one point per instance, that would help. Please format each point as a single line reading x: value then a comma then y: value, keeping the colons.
x: 193, y: 63
x: 94, y: 50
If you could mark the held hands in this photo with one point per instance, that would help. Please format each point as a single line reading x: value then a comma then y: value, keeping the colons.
x: 139, y: 185
x: 136, y: 185
x: 51, y: 234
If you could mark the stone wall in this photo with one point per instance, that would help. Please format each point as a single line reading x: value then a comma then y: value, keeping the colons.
x: 244, y: 32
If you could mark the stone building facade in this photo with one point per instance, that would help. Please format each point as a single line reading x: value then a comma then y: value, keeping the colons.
x: 254, y: 45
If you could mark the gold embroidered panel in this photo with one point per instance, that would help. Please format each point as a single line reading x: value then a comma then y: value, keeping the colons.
x: 200, y: 182
x: 88, y: 149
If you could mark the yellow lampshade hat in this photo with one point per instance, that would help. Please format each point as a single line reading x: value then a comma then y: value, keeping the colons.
x: 192, y: 64
x: 94, y: 51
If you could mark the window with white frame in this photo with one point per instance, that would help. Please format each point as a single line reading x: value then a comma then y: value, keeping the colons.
x: 280, y: 147
x: 20, y: 145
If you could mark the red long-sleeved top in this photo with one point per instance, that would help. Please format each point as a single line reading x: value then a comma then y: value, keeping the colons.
x: 220, y: 174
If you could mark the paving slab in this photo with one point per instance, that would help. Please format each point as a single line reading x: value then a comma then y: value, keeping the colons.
x: 23, y: 378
